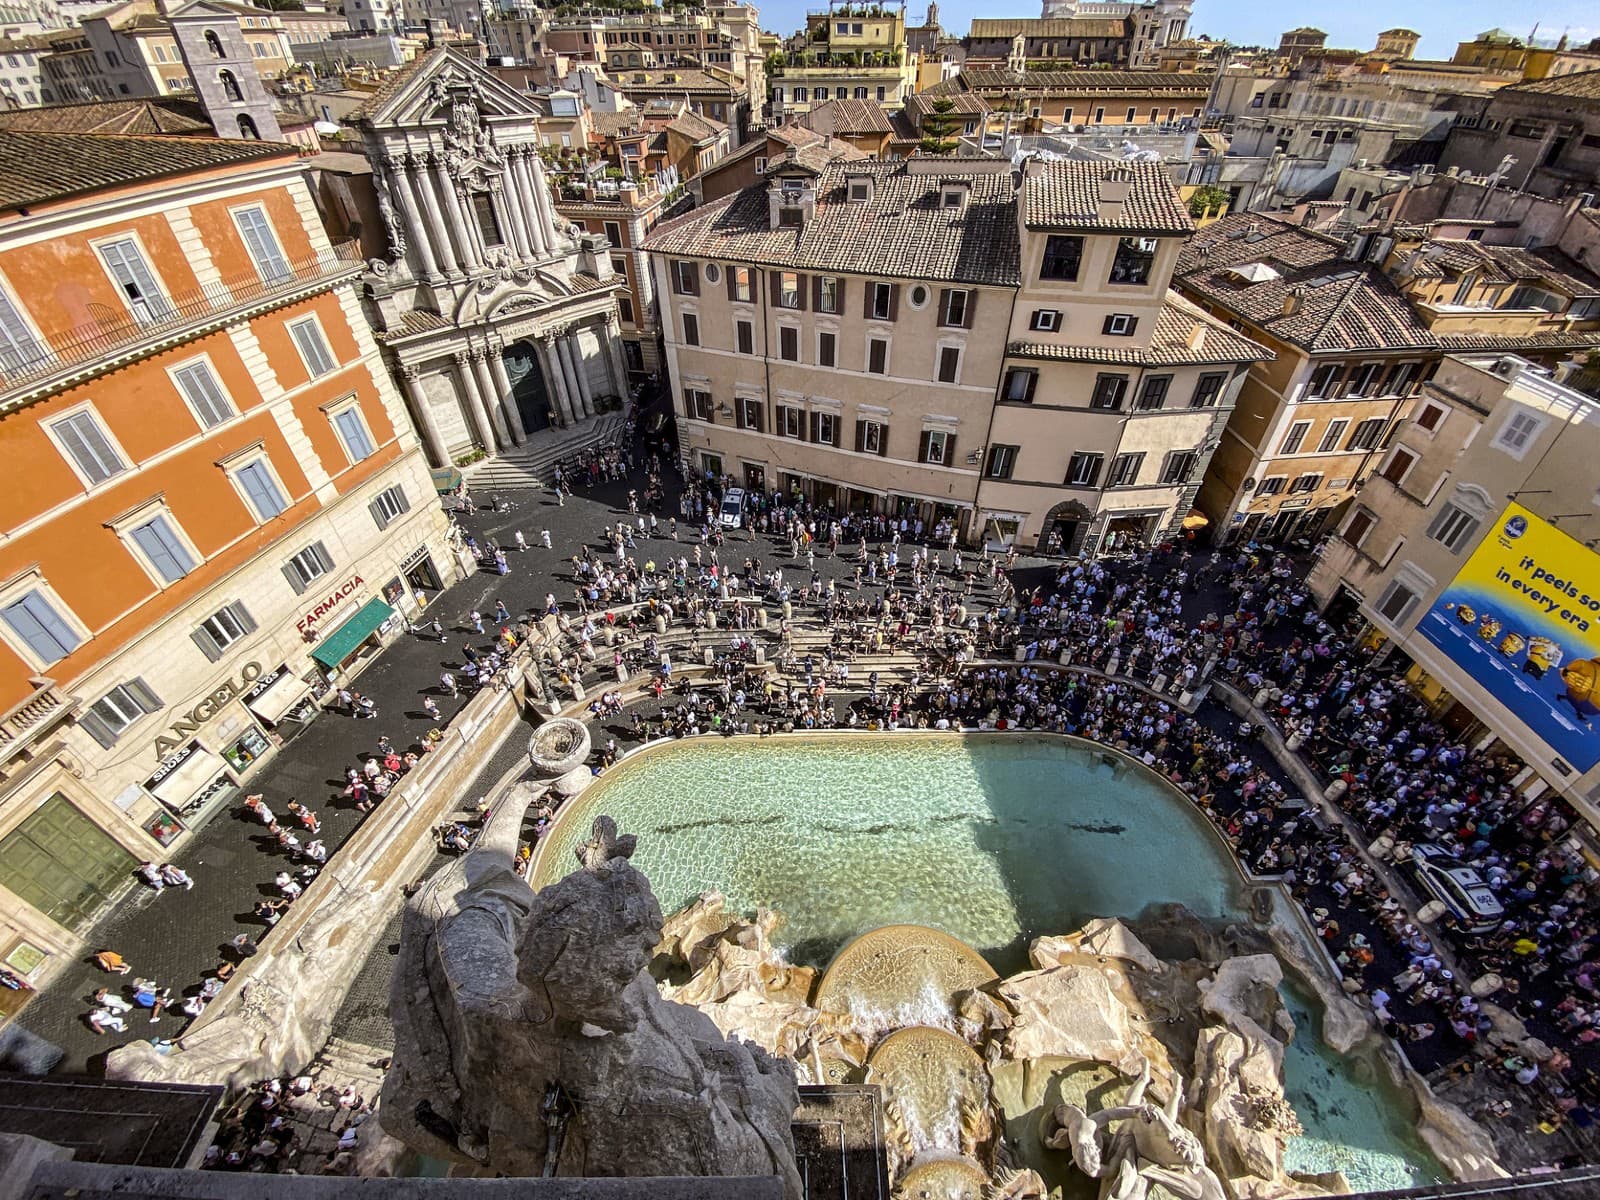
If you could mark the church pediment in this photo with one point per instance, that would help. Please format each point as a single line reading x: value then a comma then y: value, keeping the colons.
x: 439, y: 90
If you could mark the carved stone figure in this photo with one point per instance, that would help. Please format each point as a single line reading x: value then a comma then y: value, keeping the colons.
x: 391, y: 219
x: 530, y: 1038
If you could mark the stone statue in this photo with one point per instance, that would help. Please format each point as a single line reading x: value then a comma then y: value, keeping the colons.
x: 1149, y: 1147
x: 531, y: 1040
x: 391, y: 219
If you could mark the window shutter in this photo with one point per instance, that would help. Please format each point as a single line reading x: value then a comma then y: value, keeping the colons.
x: 141, y: 692
x: 883, y: 442
x: 922, y: 447
x: 972, y: 304
x: 92, y: 723
x: 866, y: 299
x: 894, y: 302
x: 733, y: 288
x: 242, y: 615
x: 323, y: 556
x: 775, y: 288
x: 861, y: 436
x: 400, y: 498
x: 694, y: 278
x: 816, y: 293
x: 950, y: 450
x: 1033, y: 382
x: 376, y: 510
x: 293, y: 577
x: 207, y: 644
x: 800, y: 292
x: 816, y: 427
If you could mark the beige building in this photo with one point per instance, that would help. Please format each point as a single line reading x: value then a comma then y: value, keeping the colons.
x: 857, y: 370
x: 845, y: 54
x: 1488, y: 432
x: 1115, y: 391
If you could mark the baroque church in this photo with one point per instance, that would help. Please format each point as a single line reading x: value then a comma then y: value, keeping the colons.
x: 500, y: 317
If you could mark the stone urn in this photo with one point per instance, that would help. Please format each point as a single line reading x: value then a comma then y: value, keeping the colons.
x: 558, y: 746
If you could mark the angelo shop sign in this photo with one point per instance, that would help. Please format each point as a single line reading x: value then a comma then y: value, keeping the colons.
x: 1523, y: 619
x: 168, y: 747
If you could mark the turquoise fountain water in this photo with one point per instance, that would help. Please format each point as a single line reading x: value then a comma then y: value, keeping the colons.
x: 995, y: 840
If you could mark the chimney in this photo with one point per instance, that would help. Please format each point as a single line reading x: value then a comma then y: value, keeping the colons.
x: 1292, y: 299
x: 1197, y: 336
x: 1115, y: 185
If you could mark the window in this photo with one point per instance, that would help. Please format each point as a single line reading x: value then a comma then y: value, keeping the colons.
x: 1179, y: 466
x: 1292, y: 439
x: 1331, y: 435
x: 353, y: 433
x: 1083, y: 469
x: 1399, y: 464
x: 745, y: 337
x: 872, y: 437
x: 1322, y: 380
x: 310, y: 564
x: 1208, y: 389
x: 739, y: 284
x: 1271, y: 485
x: 1120, y: 325
x: 800, y: 94
x: 1154, y: 392
x: 1397, y: 602
x: 1363, y: 380
x: 949, y: 364
x: 1045, y: 320
x: 107, y: 718
x: 825, y: 429
x: 821, y: 93
x: 135, y: 280
x: 613, y: 232
x: 1002, y: 460
x: 1517, y: 434
x: 1062, y: 257
x: 1020, y: 385
x: 1134, y: 258
x: 261, y: 489
x: 747, y: 413
x: 1109, y: 391
x: 46, y: 634
x: 789, y: 343
x: 788, y: 421
x: 937, y: 447
x: 954, y: 307
x: 85, y: 443
x: 223, y: 628
x: 162, y: 549
x: 827, y: 294
x: 788, y: 289
x: 262, y: 244
x: 860, y: 191
x: 1125, y: 470
x: 388, y: 506
x: 1360, y: 524
x: 699, y: 405
x: 1430, y: 417
x: 313, y: 348
x: 880, y: 301
x: 625, y: 310
x: 1367, y: 434
x: 18, y: 346
x: 205, y: 397
x: 827, y: 349
x: 1454, y: 527
x: 761, y: 164
x: 685, y: 278
x: 488, y: 221
x: 691, y: 329
x: 877, y: 356
x: 1309, y: 482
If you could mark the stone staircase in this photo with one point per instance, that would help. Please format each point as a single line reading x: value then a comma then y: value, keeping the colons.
x: 528, y: 466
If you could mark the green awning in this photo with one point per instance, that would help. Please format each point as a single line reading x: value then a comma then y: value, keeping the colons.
x: 338, y: 645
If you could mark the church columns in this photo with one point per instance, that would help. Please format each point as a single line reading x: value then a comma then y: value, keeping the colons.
x: 514, y: 226
x: 416, y: 225
x: 492, y: 401
x: 554, y: 379
x: 457, y: 221
x: 611, y: 338
x: 533, y: 227
x: 534, y: 189
x: 434, y: 222
x: 502, y: 384
x: 432, y: 443
x: 472, y: 400
x: 574, y: 353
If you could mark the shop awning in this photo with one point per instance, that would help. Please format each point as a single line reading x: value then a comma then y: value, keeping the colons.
x: 341, y: 643
x: 198, y: 770
x: 278, y: 699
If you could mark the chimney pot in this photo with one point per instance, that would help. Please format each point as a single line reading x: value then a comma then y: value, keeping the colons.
x: 1197, y: 336
x: 1292, y: 299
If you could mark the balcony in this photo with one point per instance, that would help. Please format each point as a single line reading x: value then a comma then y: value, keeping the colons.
x: 67, y: 356
x: 33, y: 718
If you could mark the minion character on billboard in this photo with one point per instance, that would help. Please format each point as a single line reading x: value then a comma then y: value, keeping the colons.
x: 1543, y: 653
x: 1583, y: 687
x: 1489, y: 628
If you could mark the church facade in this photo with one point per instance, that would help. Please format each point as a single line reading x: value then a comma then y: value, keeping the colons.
x: 499, y: 316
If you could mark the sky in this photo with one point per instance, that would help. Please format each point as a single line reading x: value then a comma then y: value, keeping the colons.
x: 1442, y: 23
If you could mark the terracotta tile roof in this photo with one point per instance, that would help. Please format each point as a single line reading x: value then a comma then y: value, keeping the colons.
x: 1575, y: 340
x: 111, y: 116
x: 1171, y: 346
x: 1064, y: 195
x: 921, y: 103
x: 1580, y: 85
x: 981, y: 79
x: 695, y: 127
x: 618, y: 124
x: 847, y: 116
x: 37, y: 166
x: 1047, y: 27
x: 33, y: 42
x: 1451, y: 257
x: 670, y: 79
x: 902, y: 231
x: 392, y: 84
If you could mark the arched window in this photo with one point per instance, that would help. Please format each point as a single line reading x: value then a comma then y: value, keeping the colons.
x: 214, y: 43
x: 230, y: 85
x: 247, y: 128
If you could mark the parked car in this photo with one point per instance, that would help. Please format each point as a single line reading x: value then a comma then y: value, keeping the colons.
x: 1459, y: 888
x: 732, y: 514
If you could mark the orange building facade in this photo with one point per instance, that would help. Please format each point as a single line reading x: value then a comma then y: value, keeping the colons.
x: 214, y: 510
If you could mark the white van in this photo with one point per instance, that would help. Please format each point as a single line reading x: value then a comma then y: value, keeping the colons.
x: 732, y: 514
